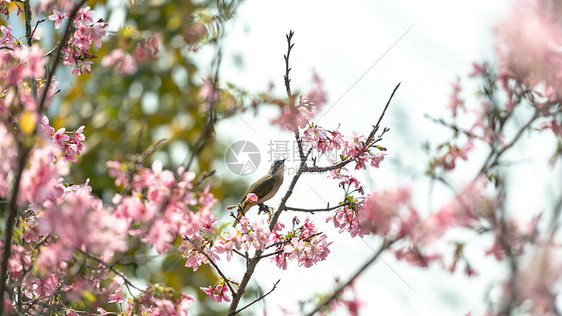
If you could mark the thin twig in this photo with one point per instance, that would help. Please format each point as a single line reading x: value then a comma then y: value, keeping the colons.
x: 453, y: 127
x: 288, y: 242
x: 384, y: 111
x: 327, y: 209
x: 211, y: 120
x: 139, y: 160
x: 487, y: 166
x: 259, y: 298
x: 337, y: 292
x: 272, y: 254
x: 240, y: 254
x: 203, y: 177
x: 58, y: 55
x: 287, y: 68
x: 369, y: 142
x: 343, y: 163
x: 213, y: 263
x: 127, y: 282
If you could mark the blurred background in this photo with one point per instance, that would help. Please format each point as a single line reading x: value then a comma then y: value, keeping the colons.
x: 361, y: 50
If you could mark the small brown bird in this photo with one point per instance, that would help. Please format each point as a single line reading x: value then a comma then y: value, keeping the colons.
x: 265, y: 188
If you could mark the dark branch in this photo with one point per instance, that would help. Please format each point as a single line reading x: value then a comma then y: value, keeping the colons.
x: 340, y: 289
x: 58, y: 55
x: 369, y: 142
x: 327, y: 209
x: 259, y: 298
x: 127, y: 282
x: 212, y: 262
x: 287, y: 68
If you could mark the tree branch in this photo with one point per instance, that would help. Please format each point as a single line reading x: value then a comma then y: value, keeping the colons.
x: 127, y: 282
x: 287, y: 68
x: 212, y: 262
x: 369, y: 142
x: 58, y: 55
x: 488, y: 165
x: 327, y: 209
x: 259, y: 298
x: 386, y: 244
x: 24, y: 150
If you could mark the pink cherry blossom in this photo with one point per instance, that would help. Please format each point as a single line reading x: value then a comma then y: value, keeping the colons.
x: 57, y: 17
x: 292, y: 118
x: 121, y: 61
x: 381, y: 210
x: 456, y: 103
x: 251, y: 197
x: 530, y: 51
x: 217, y: 293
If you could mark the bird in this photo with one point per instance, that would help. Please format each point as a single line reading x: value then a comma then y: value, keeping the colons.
x: 265, y: 188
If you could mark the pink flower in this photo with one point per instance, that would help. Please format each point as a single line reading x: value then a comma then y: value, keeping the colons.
x: 455, y: 101
x: 528, y: 43
x: 57, y: 17
x: 117, y: 297
x: 194, y: 34
x: 148, y: 48
x: 291, y: 118
x: 8, y: 39
x: 60, y: 137
x: 251, y: 198
x: 347, y: 219
x: 381, y: 210
x: 479, y: 69
x: 317, y: 95
x: 123, y: 62
x: 415, y: 257
x: 116, y: 170
x: 217, y: 293
x: 376, y: 159
x: 295, y: 248
x: 85, y: 15
x: 71, y: 312
x: 209, y: 93
x: 317, y: 137
x: 81, y: 67
x: 308, y: 248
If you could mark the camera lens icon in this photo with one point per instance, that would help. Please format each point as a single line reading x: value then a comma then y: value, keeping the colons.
x: 242, y: 157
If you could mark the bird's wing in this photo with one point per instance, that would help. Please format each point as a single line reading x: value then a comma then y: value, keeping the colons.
x: 261, y: 187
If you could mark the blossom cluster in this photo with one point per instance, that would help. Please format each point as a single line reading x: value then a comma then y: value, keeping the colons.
x: 165, y: 201
x: 159, y: 300
x: 303, y: 244
x: 86, y: 33
x: 218, y: 293
x: 354, y: 149
x: 147, y: 48
x: 528, y: 76
x: 70, y: 145
x: 19, y: 63
x: 391, y: 214
x: 42, y: 179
